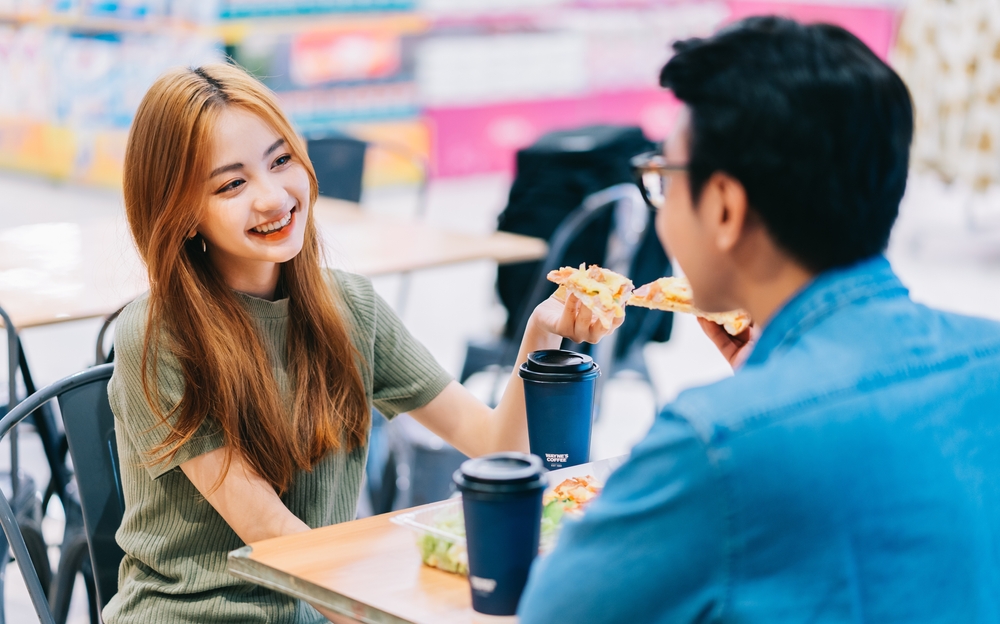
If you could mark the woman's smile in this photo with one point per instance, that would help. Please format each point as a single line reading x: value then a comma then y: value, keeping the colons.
x: 277, y: 229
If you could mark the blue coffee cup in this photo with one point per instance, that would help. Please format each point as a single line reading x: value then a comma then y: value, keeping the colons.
x: 559, y: 391
x: 502, y: 504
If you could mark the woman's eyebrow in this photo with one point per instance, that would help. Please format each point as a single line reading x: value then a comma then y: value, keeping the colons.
x: 273, y: 147
x: 235, y: 166
x: 226, y: 168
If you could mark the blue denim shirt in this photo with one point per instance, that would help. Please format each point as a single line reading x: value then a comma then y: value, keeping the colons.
x: 849, y: 472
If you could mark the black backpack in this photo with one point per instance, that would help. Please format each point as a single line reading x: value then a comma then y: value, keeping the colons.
x: 553, y: 177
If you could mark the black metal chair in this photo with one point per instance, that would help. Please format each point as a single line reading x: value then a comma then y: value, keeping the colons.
x: 339, y: 161
x: 101, y: 356
x: 89, y: 424
x: 27, y: 502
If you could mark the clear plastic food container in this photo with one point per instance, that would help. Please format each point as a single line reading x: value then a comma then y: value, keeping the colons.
x: 440, y: 527
x: 440, y: 531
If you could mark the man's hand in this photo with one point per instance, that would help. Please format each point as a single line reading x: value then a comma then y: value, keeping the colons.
x: 571, y: 320
x: 736, y: 349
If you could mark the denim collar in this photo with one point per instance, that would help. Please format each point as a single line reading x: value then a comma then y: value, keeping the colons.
x: 829, y: 292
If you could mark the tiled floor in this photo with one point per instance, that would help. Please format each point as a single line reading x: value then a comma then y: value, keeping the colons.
x: 946, y: 248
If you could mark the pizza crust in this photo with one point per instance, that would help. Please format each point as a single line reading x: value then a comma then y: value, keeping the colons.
x: 673, y: 294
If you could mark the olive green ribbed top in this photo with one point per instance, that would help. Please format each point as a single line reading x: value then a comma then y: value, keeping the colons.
x: 175, y: 543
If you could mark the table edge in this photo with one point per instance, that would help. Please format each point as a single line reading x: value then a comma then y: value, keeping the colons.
x: 241, y: 565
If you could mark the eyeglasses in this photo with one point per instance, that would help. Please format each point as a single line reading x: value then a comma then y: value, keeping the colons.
x: 652, y: 174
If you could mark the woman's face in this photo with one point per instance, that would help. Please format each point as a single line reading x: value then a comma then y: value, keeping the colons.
x: 257, y: 200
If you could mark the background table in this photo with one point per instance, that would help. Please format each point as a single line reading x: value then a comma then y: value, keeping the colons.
x: 54, y: 272
x: 368, y: 568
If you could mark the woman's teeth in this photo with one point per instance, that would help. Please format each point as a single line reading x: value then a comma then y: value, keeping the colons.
x: 274, y: 225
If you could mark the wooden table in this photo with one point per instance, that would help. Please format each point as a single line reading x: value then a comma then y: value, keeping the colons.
x: 54, y: 272
x: 368, y: 568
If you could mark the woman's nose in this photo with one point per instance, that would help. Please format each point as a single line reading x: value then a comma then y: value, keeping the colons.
x: 271, y: 197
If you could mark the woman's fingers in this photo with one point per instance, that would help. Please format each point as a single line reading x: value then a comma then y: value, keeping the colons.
x: 567, y: 321
x: 577, y: 322
x: 581, y: 326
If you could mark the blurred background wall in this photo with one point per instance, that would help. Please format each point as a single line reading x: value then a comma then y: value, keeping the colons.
x: 458, y: 84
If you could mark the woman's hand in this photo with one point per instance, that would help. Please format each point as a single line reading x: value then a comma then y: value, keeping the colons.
x: 475, y: 429
x: 571, y: 320
x: 736, y: 349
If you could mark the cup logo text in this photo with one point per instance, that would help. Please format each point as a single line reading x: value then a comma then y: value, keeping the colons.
x: 557, y: 458
x: 482, y: 585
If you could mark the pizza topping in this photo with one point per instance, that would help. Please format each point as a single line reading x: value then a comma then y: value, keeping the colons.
x: 603, y: 291
x: 575, y: 491
x: 673, y: 294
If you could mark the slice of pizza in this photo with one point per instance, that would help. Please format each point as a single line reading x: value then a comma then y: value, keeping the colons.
x: 603, y: 291
x: 673, y: 294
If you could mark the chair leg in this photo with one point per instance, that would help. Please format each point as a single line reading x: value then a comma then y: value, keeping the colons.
x: 4, y: 559
x: 37, y: 549
x: 91, y: 582
x: 74, y: 554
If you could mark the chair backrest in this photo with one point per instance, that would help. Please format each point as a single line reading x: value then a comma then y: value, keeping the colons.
x: 100, y: 356
x: 90, y: 431
x: 89, y: 424
x: 339, y: 161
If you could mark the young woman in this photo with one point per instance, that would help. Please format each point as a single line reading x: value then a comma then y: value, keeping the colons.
x: 246, y: 376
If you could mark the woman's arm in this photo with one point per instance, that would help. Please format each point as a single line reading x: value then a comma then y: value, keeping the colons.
x: 247, y: 502
x: 466, y: 423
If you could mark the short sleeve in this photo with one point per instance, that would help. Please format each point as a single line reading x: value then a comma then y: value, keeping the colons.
x: 406, y: 375
x: 651, y: 548
x: 134, y: 417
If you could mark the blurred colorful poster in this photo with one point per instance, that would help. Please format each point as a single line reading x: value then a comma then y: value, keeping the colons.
x: 318, y: 58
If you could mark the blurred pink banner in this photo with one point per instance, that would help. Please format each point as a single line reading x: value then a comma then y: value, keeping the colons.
x: 874, y: 25
x: 481, y: 139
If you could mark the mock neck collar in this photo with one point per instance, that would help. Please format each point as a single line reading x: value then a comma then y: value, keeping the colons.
x: 262, y: 308
x: 825, y: 295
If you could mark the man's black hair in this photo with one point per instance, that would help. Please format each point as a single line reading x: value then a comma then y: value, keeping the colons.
x: 812, y: 123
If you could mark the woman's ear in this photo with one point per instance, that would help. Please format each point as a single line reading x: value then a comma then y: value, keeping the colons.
x: 728, y: 213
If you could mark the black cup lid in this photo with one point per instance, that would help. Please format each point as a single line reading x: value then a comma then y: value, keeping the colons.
x: 558, y: 362
x: 498, y: 468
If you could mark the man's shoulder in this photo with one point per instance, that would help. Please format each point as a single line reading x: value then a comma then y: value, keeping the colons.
x: 840, y: 360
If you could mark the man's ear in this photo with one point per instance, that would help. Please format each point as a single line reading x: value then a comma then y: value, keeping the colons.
x: 723, y: 206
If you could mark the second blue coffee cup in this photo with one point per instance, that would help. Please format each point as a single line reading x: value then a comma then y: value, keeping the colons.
x: 502, y: 504
x: 559, y: 389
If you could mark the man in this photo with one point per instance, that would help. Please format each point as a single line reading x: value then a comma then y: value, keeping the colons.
x: 850, y: 470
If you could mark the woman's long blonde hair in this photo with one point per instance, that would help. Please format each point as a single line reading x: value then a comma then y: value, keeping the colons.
x: 228, y: 378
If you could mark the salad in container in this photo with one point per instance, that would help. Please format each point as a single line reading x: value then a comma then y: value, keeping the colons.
x: 440, y: 527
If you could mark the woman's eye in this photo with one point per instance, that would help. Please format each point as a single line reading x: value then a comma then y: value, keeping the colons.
x: 282, y: 160
x: 232, y: 185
